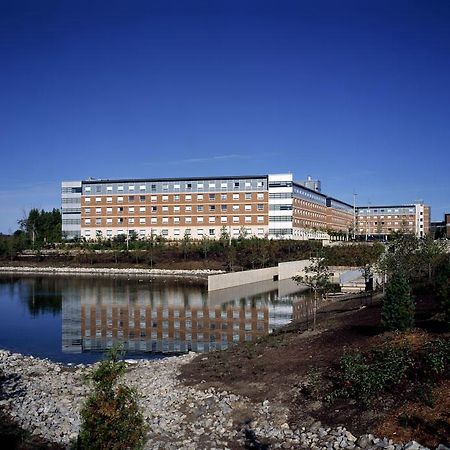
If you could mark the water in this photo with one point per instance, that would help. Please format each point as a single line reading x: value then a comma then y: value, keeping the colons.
x: 73, y: 319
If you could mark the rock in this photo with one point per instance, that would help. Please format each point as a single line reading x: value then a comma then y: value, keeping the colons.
x: 363, y: 441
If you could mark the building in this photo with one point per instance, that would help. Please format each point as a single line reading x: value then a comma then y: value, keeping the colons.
x: 273, y: 206
x: 381, y: 221
x: 447, y: 225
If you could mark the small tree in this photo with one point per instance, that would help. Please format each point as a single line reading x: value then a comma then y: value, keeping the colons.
x: 111, y: 418
x: 317, y: 278
x: 398, y: 306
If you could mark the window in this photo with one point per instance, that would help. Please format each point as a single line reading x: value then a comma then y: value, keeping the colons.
x: 200, y: 231
x: 87, y: 200
x: 223, y: 196
x: 108, y: 199
x: 98, y: 210
x: 120, y: 220
x: 109, y: 233
x: 109, y: 220
x: 188, y: 197
x: 212, y: 207
x: 131, y: 209
x: 165, y: 187
x: 248, y: 196
x: 259, y: 184
x: 212, y: 219
x: 141, y: 219
x: 165, y: 220
x: 188, y: 208
x: 142, y: 209
x: 188, y: 185
x: 176, y: 208
x: 260, y: 196
x: 87, y: 189
x: 236, y: 184
x: 199, y: 185
x: 223, y: 219
x: 188, y: 219
x: 131, y: 198
x: 260, y: 219
x: 98, y: 199
x: 142, y: 187
x: 248, y: 219
x: 153, y: 220
x: 119, y: 199
x: 212, y: 197
x: 164, y: 232
x: 176, y: 198
x: 248, y: 207
x: 212, y: 185
x: 235, y: 219
x: 98, y: 221
x: 200, y: 197
x: 142, y: 198
x: 223, y: 207
x: 176, y: 220
x: 200, y: 208
x: 235, y: 207
x: 120, y: 188
x: 108, y: 210
x: 223, y: 185
x: 260, y: 207
x: 260, y: 231
x: 176, y: 186
x: 131, y: 220
x: 154, y: 209
x: 176, y: 232
x: 165, y: 198
x: 131, y: 187
x: 199, y: 219
x: 165, y: 209
x: 235, y: 196
x: 153, y: 198
x: 87, y: 210
x: 87, y: 221
x: 120, y: 209
x: 212, y: 231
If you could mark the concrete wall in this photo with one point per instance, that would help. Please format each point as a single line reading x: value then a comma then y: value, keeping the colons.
x: 228, y: 280
x: 283, y: 271
x: 287, y: 270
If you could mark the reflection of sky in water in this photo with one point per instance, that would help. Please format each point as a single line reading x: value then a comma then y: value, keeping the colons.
x: 72, y: 319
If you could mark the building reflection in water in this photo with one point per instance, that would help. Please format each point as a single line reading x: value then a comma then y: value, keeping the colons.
x: 158, y: 316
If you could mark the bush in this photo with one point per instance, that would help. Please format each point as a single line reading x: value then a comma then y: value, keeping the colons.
x: 398, y: 306
x: 362, y: 376
x: 111, y: 418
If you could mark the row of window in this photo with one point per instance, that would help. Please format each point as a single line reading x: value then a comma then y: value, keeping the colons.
x: 186, y: 185
x: 175, y: 220
x: 177, y: 232
x: 165, y: 198
x: 175, y: 208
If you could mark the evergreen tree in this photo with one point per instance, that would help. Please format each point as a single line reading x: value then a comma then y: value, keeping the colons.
x: 398, y: 306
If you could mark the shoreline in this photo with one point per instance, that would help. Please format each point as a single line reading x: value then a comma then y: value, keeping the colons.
x: 108, y: 271
x: 45, y: 398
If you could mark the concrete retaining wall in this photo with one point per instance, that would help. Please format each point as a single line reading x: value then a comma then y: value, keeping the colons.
x: 283, y: 271
x: 233, y: 279
x: 287, y: 270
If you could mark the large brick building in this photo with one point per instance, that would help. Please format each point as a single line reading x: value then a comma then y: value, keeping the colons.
x: 273, y: 206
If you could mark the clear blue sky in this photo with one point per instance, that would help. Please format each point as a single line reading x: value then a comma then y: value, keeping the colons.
x: 356, y: 93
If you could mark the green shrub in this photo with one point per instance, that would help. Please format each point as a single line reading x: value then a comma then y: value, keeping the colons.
x: 362, y: 376
x: 111, y: 418
x: 398, y: 306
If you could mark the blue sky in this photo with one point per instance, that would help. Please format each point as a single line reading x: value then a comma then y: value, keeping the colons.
x: 355, y: 93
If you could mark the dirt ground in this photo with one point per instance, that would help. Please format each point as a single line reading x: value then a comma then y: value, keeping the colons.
x: 290, y: 366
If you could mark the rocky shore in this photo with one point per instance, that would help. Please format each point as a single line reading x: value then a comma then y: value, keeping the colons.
x: 200, y: 273
x: 45, y: 398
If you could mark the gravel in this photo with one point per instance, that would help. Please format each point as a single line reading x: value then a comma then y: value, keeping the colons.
x: 45, y: 398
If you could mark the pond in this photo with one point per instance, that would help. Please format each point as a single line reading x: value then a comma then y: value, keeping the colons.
x: 73, y: 319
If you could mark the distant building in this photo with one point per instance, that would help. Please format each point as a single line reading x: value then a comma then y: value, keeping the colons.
x: 380, y: 221
x: 273, y: 206
x: 314, y: 185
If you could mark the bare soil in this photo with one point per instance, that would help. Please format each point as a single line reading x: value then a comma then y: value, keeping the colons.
x: 292, y: 365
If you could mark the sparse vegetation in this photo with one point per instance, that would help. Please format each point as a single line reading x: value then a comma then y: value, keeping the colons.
x: 111, y: 418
